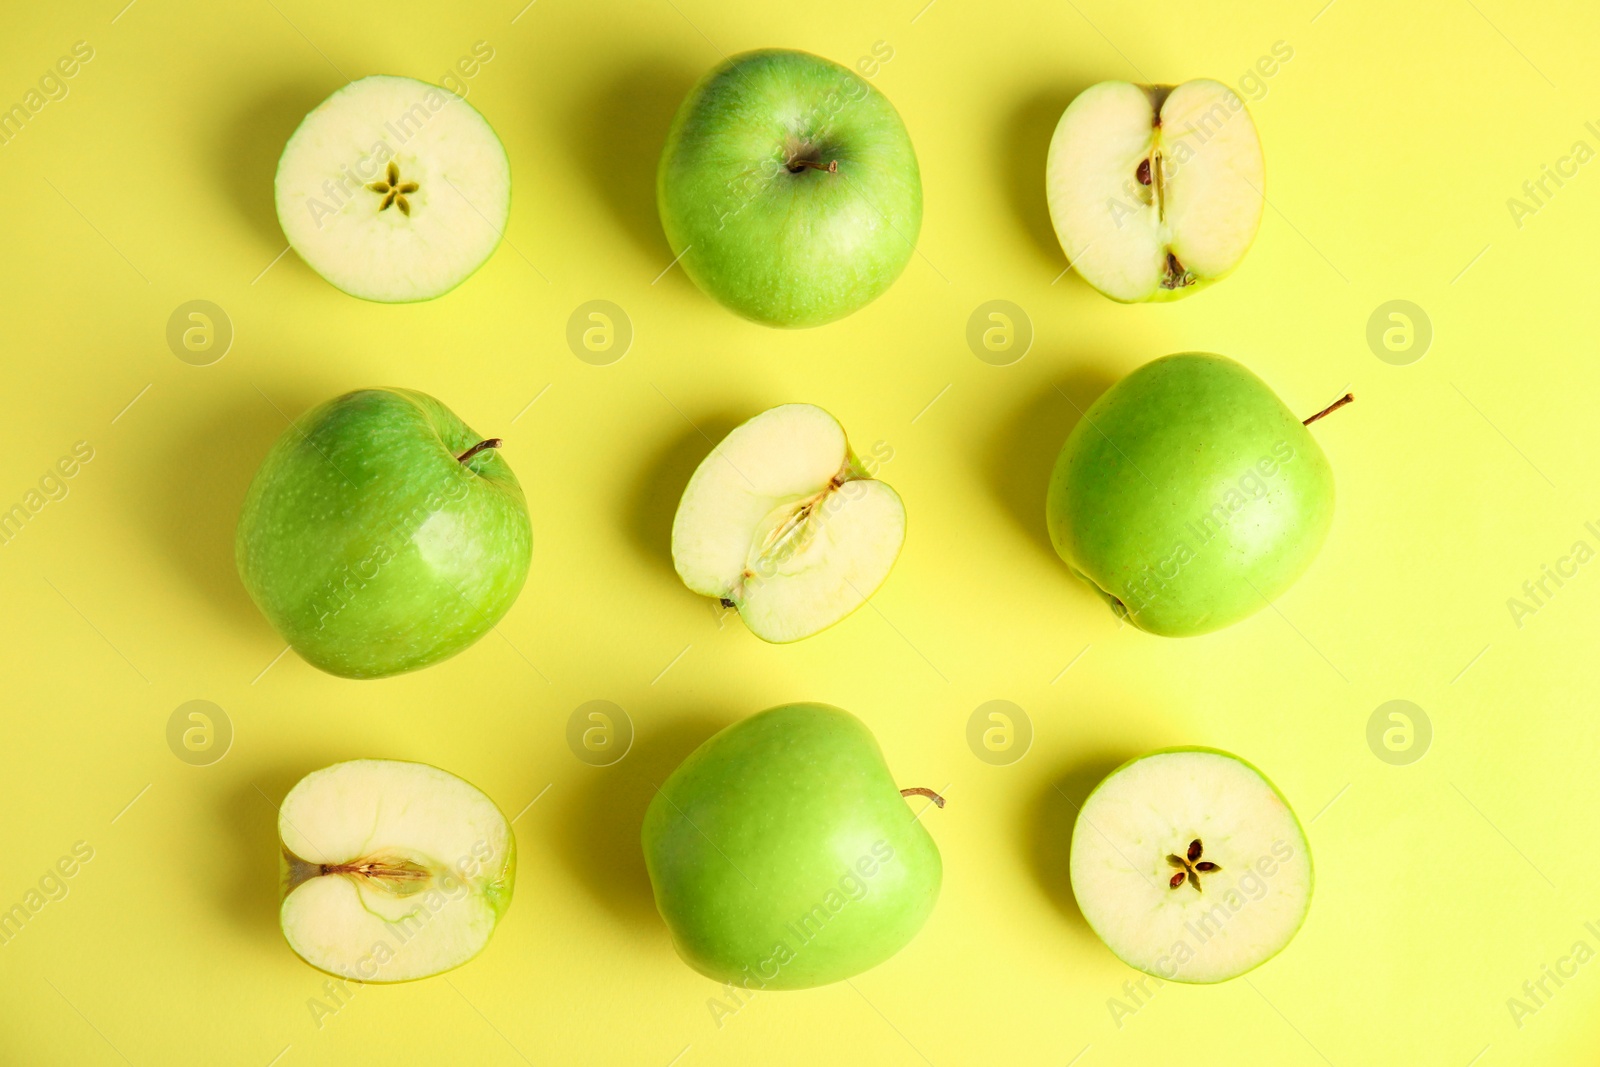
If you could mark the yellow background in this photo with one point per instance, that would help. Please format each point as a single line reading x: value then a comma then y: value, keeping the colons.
x: 1394, y: 138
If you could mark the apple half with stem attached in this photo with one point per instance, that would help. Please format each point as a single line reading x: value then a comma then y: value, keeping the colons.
x: 783, y: 855
x: 783, y: 522
x: 788, y: 188
x: 394, y: 190
x: 391, y: 870
x: 1189, y: 496
x: 1190, y: 865
x: 382, y: 534
x: 1155, y: 191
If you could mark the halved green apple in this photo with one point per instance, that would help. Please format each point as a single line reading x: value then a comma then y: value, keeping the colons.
x: 782, y: 522
x: 391, y: 870
x: 394, y: 190
x: 1155, y: 191
x: 1190, y: 865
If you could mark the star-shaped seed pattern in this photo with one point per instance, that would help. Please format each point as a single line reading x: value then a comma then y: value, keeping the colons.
x: 1192, y: 866
x: 394, y: 190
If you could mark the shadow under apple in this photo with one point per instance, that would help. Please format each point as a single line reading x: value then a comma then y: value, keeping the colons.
x: 246, y: 158
x: 617, y: 135
x: 1022, y: 454
x: 1052, y: 822
x: 659, y: 486
x: 1024, y: 148
x: 193, y: 509
x: 248, y: 819
x: 598, y: 838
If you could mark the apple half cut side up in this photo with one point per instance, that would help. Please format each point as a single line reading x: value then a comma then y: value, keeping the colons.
x: 1190, y: 865
x: 1155, y: 191
x: 394, y: 190
x: 391, y: 870
x: 783, y: 523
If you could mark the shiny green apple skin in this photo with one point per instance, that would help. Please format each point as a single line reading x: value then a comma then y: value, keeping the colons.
x: 789, y: 248
x: 783, y: 855
x: 1189, y: 496
x: 369, y: 547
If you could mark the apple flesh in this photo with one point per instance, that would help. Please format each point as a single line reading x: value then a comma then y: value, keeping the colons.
x: 1189, y: 496
x: 382, y: 534
x: 1190, y: 865
x: 391, y: 870
x: 788, y: 188
x: 782, y: 522
x: 783, y: 855
x: 394, y: 190
x: 1155, y: 191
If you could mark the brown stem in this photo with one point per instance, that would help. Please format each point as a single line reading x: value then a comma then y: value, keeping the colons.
x: 797, y: 165
x: 493, y: 442
x: 1331, y: 408
x: 923, y: 791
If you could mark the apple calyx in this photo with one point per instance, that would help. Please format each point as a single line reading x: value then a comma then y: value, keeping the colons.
x: 1331, y: 408
x: 1191, y: 866
x: 493, y: 442
x: 924, y: 791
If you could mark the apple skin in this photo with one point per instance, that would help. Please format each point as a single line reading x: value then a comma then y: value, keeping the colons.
x: 786, y: 812
x: 1138, y: 484
x: 781, y: 248
x: 1304, y: 841
x: 369, y: 547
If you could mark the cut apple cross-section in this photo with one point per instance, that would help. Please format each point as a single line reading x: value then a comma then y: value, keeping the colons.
x: 782, y: 522
x: 391, y: 870
x: 1155, y: 191
x: 1190, y: 865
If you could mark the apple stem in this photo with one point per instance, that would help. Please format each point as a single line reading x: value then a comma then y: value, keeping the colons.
x: 1331, y: 408
x: 797, y: 165
x: 923, y: 791
x: 493, y: 442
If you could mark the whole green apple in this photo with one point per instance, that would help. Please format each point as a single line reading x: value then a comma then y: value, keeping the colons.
x: 784, y: 856
x: 1189, y: 496
x: 382, y: 534
x: 788, y: 188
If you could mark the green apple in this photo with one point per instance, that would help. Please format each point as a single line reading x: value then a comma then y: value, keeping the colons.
x: 1189, y: 496
x: 391, y: 870
x: 394, y: 190
x: 382, y: 534
x: 788, y: 188
x: 784, y: 856
x: 1189, y: 864
x: 1155, y: 191
x: 783, y: 522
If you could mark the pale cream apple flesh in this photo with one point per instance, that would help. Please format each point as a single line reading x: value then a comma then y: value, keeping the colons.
x: 1190, y: 865
x: 391, y: 870
x: 1155, y: 191
x: 782, y: 522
